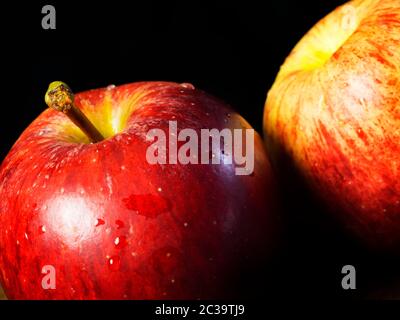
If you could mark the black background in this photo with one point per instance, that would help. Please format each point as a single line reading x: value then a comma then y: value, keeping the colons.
x: 231, y: 49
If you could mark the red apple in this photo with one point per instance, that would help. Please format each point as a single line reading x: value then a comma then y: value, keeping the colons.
x: 334, y: 110
x: 114, y: 226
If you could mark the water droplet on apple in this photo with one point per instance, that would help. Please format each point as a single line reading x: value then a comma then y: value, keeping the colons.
x: 99, y: 222
x: 159, y: 189
x: 26, y: 236
x: 42, y: 229
x: 114, y: 263
x: 349, y: 17
x: 185, y: 224
x: 17, y: 242
x: 62, y: 190
x: 111, y: 87
x: 187, y: 86
x: 120, y: 242
x: 228, y: 115
x: 46, y: 176
x: 147, y: 205
x: 120, y: 224
x: 123, y: 168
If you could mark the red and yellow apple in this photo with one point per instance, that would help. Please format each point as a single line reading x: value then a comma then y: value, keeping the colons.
x: 113, y: 225
x: 334, y: 110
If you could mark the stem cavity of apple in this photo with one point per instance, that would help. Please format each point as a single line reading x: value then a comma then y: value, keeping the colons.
x: 61, y: 98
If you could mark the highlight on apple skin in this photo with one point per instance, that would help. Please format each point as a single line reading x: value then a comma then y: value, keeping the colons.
x: 115, y: 227
x: 334, y: 110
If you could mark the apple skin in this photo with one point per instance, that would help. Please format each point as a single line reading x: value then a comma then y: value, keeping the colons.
x: 334, y: 112
x: 116, y: 227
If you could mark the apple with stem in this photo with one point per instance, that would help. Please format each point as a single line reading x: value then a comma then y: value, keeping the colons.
x: 84, y: 215
x: 334, y: 111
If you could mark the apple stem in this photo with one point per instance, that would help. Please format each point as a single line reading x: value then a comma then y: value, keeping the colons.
x: 60, y: 97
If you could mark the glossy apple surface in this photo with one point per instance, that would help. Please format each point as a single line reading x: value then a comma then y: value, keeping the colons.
x: 334, y: 110
x: 114, y: 226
